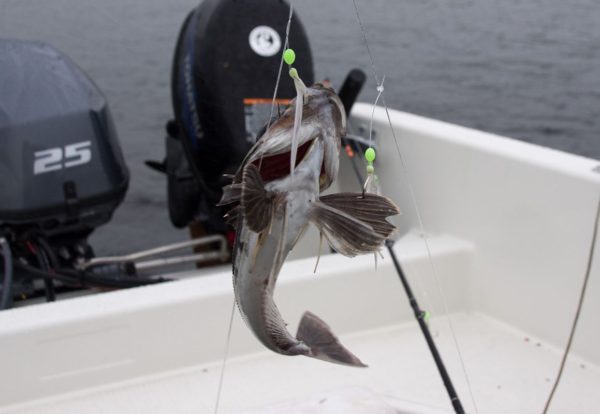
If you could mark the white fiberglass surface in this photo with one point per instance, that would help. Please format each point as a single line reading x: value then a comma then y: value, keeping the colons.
x: 510, y: 372
x: 529, y: 211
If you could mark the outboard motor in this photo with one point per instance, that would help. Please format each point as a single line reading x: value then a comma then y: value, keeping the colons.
x: 223, y: 78
x: 62, y: 173
x: 61, y: 167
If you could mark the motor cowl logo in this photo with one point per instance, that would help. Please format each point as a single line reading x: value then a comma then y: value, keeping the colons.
x: 265, y: 41
x: 53, y: 159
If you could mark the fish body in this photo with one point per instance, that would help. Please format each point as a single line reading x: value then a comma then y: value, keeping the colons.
x: 261, y: 255
x: 272, y: 209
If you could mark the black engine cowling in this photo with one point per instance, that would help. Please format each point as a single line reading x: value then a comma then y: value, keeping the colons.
x: 223, y: 78
x: 61, y: 166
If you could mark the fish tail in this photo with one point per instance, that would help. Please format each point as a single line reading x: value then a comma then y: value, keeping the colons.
x: 323, y: 344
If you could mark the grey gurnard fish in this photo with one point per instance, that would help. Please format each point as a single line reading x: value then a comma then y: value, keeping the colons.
x: 271, y: 208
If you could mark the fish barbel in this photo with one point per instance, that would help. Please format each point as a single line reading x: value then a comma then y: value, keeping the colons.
x: 272, y: 208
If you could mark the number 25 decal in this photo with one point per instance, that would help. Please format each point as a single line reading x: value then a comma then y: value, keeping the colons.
x: 56, y: 158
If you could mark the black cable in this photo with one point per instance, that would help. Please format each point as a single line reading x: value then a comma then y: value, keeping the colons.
x: 69, y: 280
x: 48, y: 262
x: 54, y: 262
x: 44, y: 264
x: 72, y: 277
x: 46, y: 258
x: 78, y: 278
x: 8, y: 274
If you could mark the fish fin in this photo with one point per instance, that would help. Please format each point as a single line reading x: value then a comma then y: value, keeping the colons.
x: 232, y: 216
x: 231, y: 194
x: 256, y: 202
x: 324, y: 345
x: 369, y: 208
x: 280, y: 253
x: 319, y: 251
x: 346, y: 234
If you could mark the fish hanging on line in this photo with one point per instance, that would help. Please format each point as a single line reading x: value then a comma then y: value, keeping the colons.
x: 272, y: 206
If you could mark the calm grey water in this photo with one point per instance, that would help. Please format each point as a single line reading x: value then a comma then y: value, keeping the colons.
x: 529, y: 69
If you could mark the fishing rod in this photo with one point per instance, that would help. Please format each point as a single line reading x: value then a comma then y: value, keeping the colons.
x: 421, y: 317
x: 348, y: 93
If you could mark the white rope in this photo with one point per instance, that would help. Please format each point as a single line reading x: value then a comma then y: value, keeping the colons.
x: 586, y: 279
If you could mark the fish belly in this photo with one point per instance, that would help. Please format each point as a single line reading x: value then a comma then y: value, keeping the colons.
x: 257, y: 271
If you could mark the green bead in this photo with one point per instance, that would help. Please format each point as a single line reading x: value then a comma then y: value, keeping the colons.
x: 370, y: 155
x: 293, y: 73
x: 426, y: 317
x: 289, y: 56
x: 370, y: 169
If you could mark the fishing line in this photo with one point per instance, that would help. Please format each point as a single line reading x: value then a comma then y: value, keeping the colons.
x: 380, y: 89
x: 227, y: 345
x: 427, y: 300
x: 379, y: 93
x: 430, y: 259
x: 285, y: 47
x: 586, y: 279
x: 415, y: 204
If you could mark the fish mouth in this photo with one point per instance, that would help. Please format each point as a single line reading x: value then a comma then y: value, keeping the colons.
x: 277, y: 166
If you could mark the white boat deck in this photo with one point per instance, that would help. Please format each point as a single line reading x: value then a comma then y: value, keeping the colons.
x: 510, y: 372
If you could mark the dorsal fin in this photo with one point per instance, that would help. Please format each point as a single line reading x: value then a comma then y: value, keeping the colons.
x: 231, y: 194
x: 256, y: 202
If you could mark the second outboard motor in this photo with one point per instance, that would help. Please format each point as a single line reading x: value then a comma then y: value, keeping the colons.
x: 62, y: 173
x: 61, y: 168
x: 223, y: 79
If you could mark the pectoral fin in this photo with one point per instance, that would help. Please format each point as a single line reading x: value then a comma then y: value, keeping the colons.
x: 354, y: 224
x: 256, y: 203
x: 369, y: 208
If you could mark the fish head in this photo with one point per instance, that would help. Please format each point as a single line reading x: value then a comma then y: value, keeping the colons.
x: 324, y: 106
x: 324, y: 98
x: 323, y: 118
